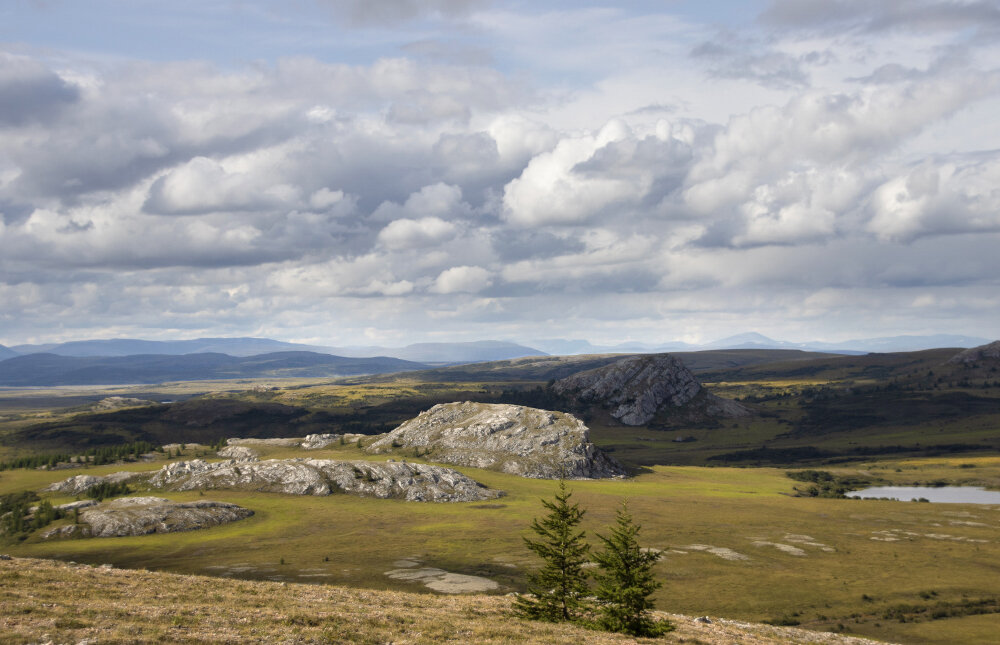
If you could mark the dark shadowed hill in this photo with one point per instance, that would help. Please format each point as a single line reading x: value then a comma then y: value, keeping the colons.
x: 50, y: 369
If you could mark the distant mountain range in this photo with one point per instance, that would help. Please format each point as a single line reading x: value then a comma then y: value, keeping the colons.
x: 753, y: 340
x: 123, y: 360
x: 51, y: 369
x: 440, y: 353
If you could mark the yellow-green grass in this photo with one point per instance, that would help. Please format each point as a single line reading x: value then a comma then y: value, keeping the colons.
x: 48, y: 601
x: 353, y: 541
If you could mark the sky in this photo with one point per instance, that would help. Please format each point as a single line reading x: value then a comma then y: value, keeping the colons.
x: 348, y: 172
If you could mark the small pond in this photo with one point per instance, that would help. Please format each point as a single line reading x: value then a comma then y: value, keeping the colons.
x: 939, y: 494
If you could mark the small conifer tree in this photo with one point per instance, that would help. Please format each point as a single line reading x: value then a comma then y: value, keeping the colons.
x: 557, y: 589
x: 625, y: 581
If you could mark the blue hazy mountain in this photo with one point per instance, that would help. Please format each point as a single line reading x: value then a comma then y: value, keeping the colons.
x: 51, y: 369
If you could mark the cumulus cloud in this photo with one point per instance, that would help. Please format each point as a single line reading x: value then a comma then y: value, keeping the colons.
x: 655, y: 180
x: 31, y: 93
x: 463, y: 279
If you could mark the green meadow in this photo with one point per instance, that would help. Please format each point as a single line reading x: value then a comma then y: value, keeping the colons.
x: 737, y: 539
x: 737, y: 543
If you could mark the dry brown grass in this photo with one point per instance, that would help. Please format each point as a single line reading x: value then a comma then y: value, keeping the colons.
x: 49, y: 601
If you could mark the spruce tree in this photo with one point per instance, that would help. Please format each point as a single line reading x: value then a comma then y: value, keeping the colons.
x: 625, y: 581
x: 558, y: 587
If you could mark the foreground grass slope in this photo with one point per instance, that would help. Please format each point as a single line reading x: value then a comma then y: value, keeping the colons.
x: 738, y: 543
x: 47, y: 601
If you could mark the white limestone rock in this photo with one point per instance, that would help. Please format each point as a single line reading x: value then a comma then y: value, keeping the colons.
x: 513, y: 439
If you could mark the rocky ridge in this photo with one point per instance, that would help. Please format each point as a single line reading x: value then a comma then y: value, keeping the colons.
x: 514, y: 439
x: 975, y: 355
x: 636, y: 388
x: 144, y: 515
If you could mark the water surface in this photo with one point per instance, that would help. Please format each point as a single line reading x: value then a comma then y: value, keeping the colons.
x: 939, y: 494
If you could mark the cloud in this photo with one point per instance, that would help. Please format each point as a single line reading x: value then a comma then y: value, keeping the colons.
x: 203, y: 186
x: 462, y: 279
x: 917, y: 15
x: 393, y: 12
x: 31, y: 93
x: 404, y: 234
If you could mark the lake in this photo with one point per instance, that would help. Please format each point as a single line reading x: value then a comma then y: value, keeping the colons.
x: 940, y: 494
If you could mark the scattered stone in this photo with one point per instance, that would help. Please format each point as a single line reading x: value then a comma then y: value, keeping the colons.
x: 317, y: 441
x: 443, y: 581
x: 786, y: 548
x: 72, y: 506
x: 283, y: 442
x: 118, y: 403
x: 239, y: 453
x: 636, y: 388
x: 722, y: 552
x: 513, y: 439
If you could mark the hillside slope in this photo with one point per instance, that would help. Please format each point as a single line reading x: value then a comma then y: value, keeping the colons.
x: 49, y: 601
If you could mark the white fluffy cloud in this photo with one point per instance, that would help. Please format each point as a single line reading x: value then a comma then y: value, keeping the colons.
x: 638, y: 175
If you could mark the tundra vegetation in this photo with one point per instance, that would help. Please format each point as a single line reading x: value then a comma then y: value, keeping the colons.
x: 740, y: 538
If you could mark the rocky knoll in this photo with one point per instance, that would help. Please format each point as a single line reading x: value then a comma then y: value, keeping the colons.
x: 635, y: 389
x: 412, y: 482
x: 82, y: 483
x: 396, y: 480
x: 510, y: 438
x: 983, y: 354
x: 145, y: 515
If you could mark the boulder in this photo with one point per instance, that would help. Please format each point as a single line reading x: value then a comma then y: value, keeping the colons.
x: 637, y: 388
x: 144, y: 515
x: 510, y: 438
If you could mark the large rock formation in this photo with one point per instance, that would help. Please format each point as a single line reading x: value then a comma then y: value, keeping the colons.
x: 145, y: 515
x: 412, y: 482
x: 975, y: 355
x: 635, y: 389
x: 82, y: 483
x: 510, y: 438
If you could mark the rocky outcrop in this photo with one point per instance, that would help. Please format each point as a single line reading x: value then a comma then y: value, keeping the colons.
x: 239, y: 453
x: 635, y: 389
x: 510, y: 438
x: 145, y: 515
x: 82, y: 483
x: 284, y: 442
x: 411, y: 482
x: 975, y: 355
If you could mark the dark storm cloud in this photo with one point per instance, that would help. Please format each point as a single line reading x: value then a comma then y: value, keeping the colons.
x: 30, y: 93
x: 865, y: 15
x: 384, y: 13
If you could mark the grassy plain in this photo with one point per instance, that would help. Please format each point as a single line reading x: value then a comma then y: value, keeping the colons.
x: 737, y: 542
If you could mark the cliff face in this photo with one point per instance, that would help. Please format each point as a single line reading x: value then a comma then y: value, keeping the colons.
x: 635, y: 389
x: 510, y: 438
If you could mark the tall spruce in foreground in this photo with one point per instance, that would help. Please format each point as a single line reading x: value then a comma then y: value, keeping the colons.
x: 625, y: 581
x: 557, y: 589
